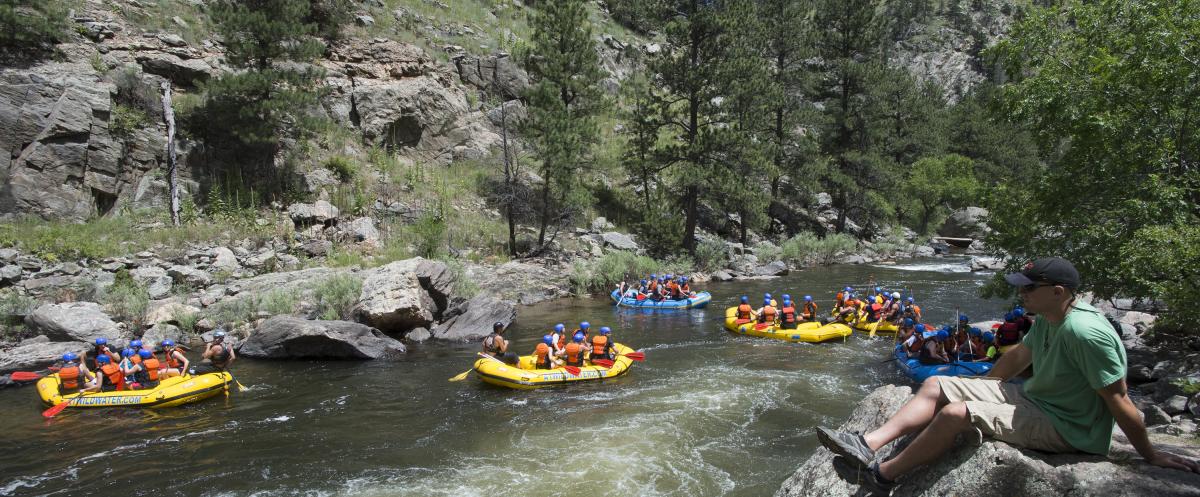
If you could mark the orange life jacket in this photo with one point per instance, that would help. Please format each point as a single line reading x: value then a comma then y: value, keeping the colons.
x: 542, y: 356
x: 112, y: 375
x: 652, y: 286
x: 574, y: 354
x: 810, y: 309
x: 171, y: 361
x: 789, y: 314
x: 745, y: 311
x: 69, y: 377
x: 599, y: 346
x: 136, y: 359
x: 768, y: 314
x: 151, y: 366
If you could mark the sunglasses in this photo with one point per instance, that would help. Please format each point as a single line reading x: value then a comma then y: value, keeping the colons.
x: 1033, y: 286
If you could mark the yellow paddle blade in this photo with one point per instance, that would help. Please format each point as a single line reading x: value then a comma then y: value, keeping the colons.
x: 241, y: 387
x: 875, y: 327
x: 462, y: 376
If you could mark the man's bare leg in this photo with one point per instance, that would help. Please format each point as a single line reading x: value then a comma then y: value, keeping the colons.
x: 915, y: 415
x: 934, y: 441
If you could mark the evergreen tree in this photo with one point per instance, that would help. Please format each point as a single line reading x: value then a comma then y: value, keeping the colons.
x: 785, y: 34
x: 564, y: 100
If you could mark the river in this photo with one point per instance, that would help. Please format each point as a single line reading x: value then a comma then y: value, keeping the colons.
x: 708, y: 413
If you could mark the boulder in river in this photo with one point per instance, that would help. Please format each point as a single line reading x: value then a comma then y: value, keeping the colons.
x: 35, y: 355
x: 966, y: 223
x: 994, y: 468
x: 475, y: 319
x: 291, y: 337
x: 404, y: 295
x: 73, y: 321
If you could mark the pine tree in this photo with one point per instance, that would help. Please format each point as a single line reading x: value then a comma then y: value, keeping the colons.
x: 786, y: 35
x: 564, y: 100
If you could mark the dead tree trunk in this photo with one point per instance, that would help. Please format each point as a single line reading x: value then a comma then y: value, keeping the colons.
x: 172, y: 182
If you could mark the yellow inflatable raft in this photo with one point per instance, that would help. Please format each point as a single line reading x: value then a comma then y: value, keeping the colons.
x: 498, y: 373
x: 886, y: 327
x: 170, y: 392
x: 810, y: 332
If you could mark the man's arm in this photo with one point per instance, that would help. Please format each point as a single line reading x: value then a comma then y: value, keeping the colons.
x: 1012, y: 363
x: 1130, y: 420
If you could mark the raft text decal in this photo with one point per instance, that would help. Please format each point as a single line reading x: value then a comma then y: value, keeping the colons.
x: 123, y: 400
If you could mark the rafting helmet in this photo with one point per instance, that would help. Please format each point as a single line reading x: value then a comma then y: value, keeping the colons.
x: 848, y: 289
x: 70, y: 357
x: 895, y: 295
x: 604, y: 330
x: 745, y: 299
x: 578, y: 336
x: 787, y: 297
x: 168, y: 343
x: 102, y: 359
x: 1018, y: 312
x: 653, y: 276
x: 878, y: 290
x: 547, y: 339
x: 128, y: 352
x: 962, y: 318
x: 219, y: 334
x: 908, y: 322
x: 910, y: 300
x: 767, y: 296
x: 976, y: 331
x: 558, y: 328
x: 767, y: 301
x: 101, y: 341
x: 497, y: 326
x: 808, y: 298
x: 942, y: 335
x: 1009, y: 316
x: 988, y: 336
x: 145, y: 354
x: 137, y: 344
x: 583, y: 325
x: 643, y: 282
x: 919, y: 328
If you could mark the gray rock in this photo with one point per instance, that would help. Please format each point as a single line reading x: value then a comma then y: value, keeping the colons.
x: 600, y: 224
x: 36, y: 339
x: 494, y: 73
x: 475, y: 318
x: 9, y: 254
x: 261, y: 260
x: 924, y: 251
x: 722, y: 276
x: 526, y: 282
x: 966, y: 223
x: 1139, y: 374
x: 34, y: 356
x: 854, y: 259
x: 171, y: 39
x: 182, y: 72
x: 1161, y: 370
x: 619, y: 241
x: 418, y: 335
x: 168, y: 312
x: 363, y: 231
x: 291, y: 337
x: 777, y: 268
x: 364, y: 20
x: 155, y: 279
x: 319, y: 212
x: 404, y: 295
x: 1139, y: 320
x: 318, y: 179
x: 190, y: 276
x: 1193, y: 406
x: 1156, y: 416
x: 224, y: 260
x: 513, y: 110
x: 10, y: 274
x: 317, y: 248
x: 1175, y: 405
x: 993, y: 468
x: 162, y: 331
x: 73, y: 321
x: 986, y: 264
x: 824, y: 201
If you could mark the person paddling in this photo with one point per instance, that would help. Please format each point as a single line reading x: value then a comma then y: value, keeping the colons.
x: 767, y: 313
x: 810, y: 309
x: 496, y: 346
x: 111, y: 377
x: 101, y: 349
x: 175, y: 363
x: 575, y: 351
x: 74, y: 376
x: 787, y: 315
x: 145, y: 373
x: 1071, y: 405
x: 218, y: 355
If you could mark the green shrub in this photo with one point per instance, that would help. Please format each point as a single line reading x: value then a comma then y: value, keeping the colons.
x: 125, y: 120
x: 14, y: 306
x: 808, y: 248
x: 463, y: 285
x: 344, y: 167
x: 767, y: 252
x: 229, y: 313
x: 187, y: 320
x: 711, y: 255
x: 28, y: 23
x: 429, y: 235
x: 336, y: 296
x: 126, y: 299
x: 279, y: 301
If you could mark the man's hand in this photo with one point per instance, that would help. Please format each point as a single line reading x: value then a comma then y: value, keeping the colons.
x: 1169, y: 460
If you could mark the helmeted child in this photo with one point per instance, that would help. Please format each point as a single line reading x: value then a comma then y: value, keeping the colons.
x: 543, y: 354
x: 810, y: 309
x: 575, y: 351
x: 745, y: 313
x: 602, y: 345
x: 934, y: 351
x: 111, y: 378
x: 787, y: 315
x: 916, y: 340
x: 560, y: 339
x: 74, y: 376
x: 767, y: 313
x: 146, y: 372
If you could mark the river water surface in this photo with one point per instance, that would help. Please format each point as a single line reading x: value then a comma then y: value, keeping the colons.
x: 708, y: 413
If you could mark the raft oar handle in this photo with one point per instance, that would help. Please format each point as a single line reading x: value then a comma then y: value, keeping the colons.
x: 53, y: 411
x: 24, y: 376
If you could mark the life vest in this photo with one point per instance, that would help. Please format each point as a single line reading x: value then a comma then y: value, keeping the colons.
x: 1024, y: 323
x: 745, y: 311
x: 574, y: 355
x: 599, y: 347
x: 652, y: 286
x: 70, y: 377
x: 789, y: 314
x: 768, y: 314
x: 135, y: 359
x: 220, y: 358
x: 916, y: 310
x: 673, y: 289
x: 171, y: 361
x: 541, y: 356
x: 917, y: 344
x: 560, y: 340
x: 111, y: 376
x: 810, y: 310
x: 489, y: 345
x: 149, y: 372
x: 875, y: 308
x: 1009, y: 333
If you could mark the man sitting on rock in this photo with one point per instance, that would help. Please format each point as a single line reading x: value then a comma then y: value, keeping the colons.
x: 1069, y: 405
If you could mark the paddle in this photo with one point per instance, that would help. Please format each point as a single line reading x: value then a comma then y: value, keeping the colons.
x: 24, y: 376
x: 53, y: 411
x: 463, y: 375
x: 875, y: 327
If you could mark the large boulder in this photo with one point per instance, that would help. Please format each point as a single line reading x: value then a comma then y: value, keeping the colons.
x: 155, y: 279
x: 619, y: 241
x: 291, y: 337
x: 362, y: 230
x: 73, y: 321
x: 162, y: 331
x: 475, y: 318
x: 224, y: 260
x: 966, y: 223
x: 494, y: 73
x: 525, y: 282
x: 319, y: 212
x: 995, y: 468
x: 34, y: 355
x: 190, y: 276
x: 404, y: 295
x: 777, y: 268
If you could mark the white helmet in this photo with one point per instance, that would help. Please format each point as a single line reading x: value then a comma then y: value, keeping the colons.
x: 895, y: 295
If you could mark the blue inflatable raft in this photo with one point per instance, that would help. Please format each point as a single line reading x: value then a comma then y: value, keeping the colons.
x: 920, y: 372
x: 700, y: 300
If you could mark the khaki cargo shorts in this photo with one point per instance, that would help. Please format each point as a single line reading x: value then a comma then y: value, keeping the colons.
x: 1001, y: 411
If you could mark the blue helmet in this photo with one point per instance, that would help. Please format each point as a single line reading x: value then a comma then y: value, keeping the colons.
x: 643, y: 282
x: 988, y: 336
x: 128, y: 352
x: 942, y: 335
x: 1018, y: 312
x: 787, y: 302
x: 976, y: 331
x: 669, y: 276
x: 604, y: 330
x: 70, y: 357
x: 808, y: 298
x: 787, y: 297
x: 547, y: 339
x: 1008, y: 316
x: 962, y: 318
x: 653, y: 276
x: 908, y: 322
x: 684, y: 278
x: 767, y: 301
x: 145, y: 354
x: 578, y: 336
x: 168, y: 343
x: 767, y: 296
x: 919, y: 328
x: 745, y: 299
x: 559, y: 327
x: 910, y: 300
x: 878, y: 290
x: 583, y: 325
x: 102, y: 359
x: 101, y: 341
x: 848, y: 289
x: 136, y: 344
x: 946, y: 328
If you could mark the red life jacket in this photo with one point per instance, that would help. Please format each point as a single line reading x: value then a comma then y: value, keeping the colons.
x: 768, y: 314
x: 789, y: 314
x: 171, y: 361
x: 1009, y: 333
x: 151, y: 367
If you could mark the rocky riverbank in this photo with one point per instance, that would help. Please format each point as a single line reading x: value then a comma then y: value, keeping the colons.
x: 992, y: 468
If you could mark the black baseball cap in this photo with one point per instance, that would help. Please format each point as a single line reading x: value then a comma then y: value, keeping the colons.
x: 1054, y: 270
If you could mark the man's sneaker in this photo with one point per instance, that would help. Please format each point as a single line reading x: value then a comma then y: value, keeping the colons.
x: 867, y: 479
x: 875, y: 482
x: 847, y: 445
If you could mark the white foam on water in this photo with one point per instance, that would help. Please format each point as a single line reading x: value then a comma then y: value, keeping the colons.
x: 278, y: 419
x: 933, y: 267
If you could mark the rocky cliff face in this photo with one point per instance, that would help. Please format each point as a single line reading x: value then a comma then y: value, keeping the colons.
x: 992, y: 468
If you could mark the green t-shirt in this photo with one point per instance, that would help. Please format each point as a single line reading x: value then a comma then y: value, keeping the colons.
x: 1070, y: 363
